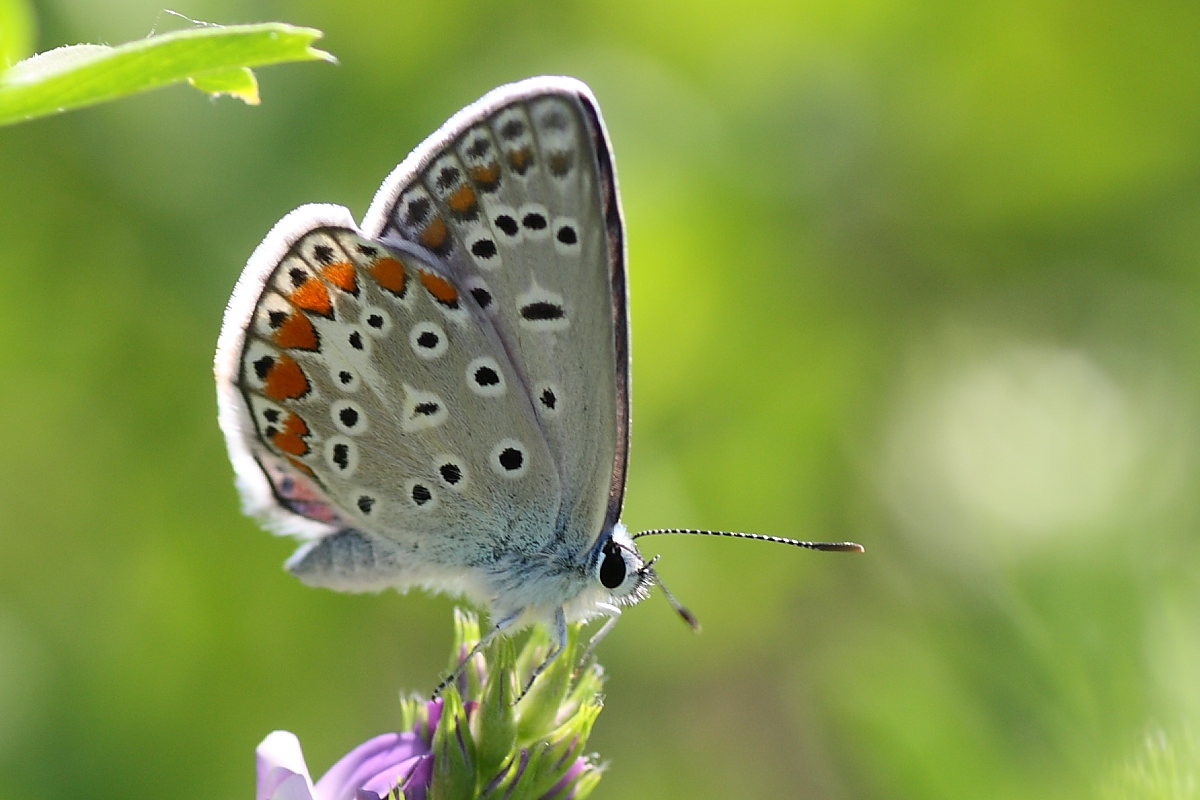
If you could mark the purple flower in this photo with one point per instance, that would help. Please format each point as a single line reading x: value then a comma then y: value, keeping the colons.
x: 368, y: 772
x: 471, y: 742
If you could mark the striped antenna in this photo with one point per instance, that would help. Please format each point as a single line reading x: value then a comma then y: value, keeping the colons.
x: 681, y: 609
x: 832, y: 547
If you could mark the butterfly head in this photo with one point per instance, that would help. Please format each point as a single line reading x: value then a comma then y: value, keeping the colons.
x: 618, y: 567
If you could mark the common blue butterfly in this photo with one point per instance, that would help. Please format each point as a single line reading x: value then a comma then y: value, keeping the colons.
x: 440, y: 398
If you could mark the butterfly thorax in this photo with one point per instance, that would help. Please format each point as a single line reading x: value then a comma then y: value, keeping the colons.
x: 537, y: 585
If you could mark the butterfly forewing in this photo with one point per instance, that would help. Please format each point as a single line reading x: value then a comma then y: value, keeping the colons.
x: 515, y: 196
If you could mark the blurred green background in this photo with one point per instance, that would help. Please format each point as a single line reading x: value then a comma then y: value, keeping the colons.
x: 920, y: 275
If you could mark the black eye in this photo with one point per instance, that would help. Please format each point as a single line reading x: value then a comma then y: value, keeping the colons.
x: 612, y: 567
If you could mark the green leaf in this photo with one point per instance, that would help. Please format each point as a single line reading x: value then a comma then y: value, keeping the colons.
x: 80, y: 75
x: 495, y: 721
x: 541, y: 707
x: 560, y: 748
x: 453, y: 751
x: 238, y: 82
x: 466, y: 636
x: 412, y: 714
x: 16, y: 31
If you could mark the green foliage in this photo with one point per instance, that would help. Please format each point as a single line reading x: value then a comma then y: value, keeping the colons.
x: 1166, y: 768
x: 16, y: 32
x: 515, y: 749
x: 214, y: 59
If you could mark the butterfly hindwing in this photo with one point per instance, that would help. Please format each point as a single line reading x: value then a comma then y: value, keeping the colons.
x: 373, y: 396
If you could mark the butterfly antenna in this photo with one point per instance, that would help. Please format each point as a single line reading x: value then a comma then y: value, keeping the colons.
x: 833, y: 547
x: 679, y: 607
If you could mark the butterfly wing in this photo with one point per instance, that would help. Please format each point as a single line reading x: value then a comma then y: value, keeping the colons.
x: 368, y: 404
x: 442, y: 398
x: 517, y: 195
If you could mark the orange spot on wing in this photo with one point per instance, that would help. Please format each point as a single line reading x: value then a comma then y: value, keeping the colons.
x: 297, y: 331
x: 560, y: 163
x: 519, y: 159
x: 290, y: 443
x: 434, y: 235
x: 295, y: 425
x: 441, y: 289
x: 342, y: 275
x: 285, y: 380
x: 313, y: 296
x: 388, y: 272
x: 486, y: 175
x: 463, y: 200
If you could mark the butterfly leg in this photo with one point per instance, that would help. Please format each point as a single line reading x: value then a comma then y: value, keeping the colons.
x: 613, y: 613
x: 560, y: 635
x: 499, y: 628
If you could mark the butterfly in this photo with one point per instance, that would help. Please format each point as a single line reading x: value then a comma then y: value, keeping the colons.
x: 440, y: 396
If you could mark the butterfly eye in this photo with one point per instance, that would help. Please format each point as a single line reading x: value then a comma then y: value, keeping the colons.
x: 612, y: 566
